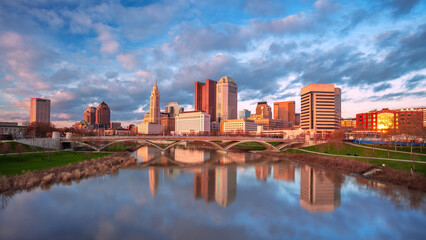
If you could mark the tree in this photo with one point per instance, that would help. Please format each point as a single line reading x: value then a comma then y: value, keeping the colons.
x: 20, y: 149
x: 336, y: 139
x: 39, y: 129
x: 5, y: 147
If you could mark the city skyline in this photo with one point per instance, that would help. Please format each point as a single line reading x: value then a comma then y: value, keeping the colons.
x: 79, y: 54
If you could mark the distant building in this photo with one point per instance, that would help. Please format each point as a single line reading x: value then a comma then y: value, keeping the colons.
x: 385, y: 119
x: 285, y: 111
x: 12, y: 129
x: 263, y: 172
x: 348, y: 123
x: 90, y: 115
x: 269, y: 123
x: 204, y: 184
x: 263, y: 110
x: 238, y: 125
x: 115, y: 125
x: 226, y: 99
x: 192, y: 122
x: 317, y: 192
x: 244, y: 114
x: 103, y: 115
x: 297, y: 119
x: 205, y: 98
x: 321, y: 108
x: 168, y: 125
x: 40, y: 110
x: 173, y: 109
x: 284, y: 171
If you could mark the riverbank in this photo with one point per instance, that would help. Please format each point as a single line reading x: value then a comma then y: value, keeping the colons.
x: 410, y: 180
x: 65, y: 174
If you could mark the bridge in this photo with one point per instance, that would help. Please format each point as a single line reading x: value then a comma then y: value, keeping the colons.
x: 220, y: 143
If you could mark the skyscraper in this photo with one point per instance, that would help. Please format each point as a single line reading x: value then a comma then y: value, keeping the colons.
x: 40, y: 110
x: 103, y: 115
x: 154, y: 108
x: 320, y: 105
x: 205, y: 98
x: 263, y: 110
x: 90, y: 115
x: 285, y: 111
x: 226, y: 99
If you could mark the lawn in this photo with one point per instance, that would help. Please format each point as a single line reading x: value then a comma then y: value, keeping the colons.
x: 251, y: 146
x: 350, y: 149
x: 416, y: 149
x: 28, y: 148
x: 118, y: 147
x: 13, y: 165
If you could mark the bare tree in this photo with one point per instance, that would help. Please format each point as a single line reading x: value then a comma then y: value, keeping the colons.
x: 5, y: 148
x: 336, y: 139
x: 20, y: 149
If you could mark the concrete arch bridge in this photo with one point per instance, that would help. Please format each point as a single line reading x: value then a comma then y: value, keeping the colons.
x: 222, y: 144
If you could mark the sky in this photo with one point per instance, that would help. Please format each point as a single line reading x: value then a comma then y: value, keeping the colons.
x: 80, y: 53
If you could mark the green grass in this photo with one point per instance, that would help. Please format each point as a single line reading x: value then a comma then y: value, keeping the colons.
x: 405, y: 166
x: 398, y: 148
x: 251, y: 146
x: 363, y: 152
x: 118, y: 147
x: 28, y: 148
x: 37, y: 161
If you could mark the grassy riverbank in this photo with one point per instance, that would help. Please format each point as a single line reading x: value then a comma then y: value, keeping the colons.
x: 27, y: 148
x: 14, y: 164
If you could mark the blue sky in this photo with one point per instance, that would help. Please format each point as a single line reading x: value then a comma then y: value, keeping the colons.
x: 81, y: 53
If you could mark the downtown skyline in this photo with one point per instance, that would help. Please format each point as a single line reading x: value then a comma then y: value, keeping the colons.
x: 77, y: 54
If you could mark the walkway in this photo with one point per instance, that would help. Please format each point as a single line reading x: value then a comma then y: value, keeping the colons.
x: 381, y: 149
x: 372, y: 158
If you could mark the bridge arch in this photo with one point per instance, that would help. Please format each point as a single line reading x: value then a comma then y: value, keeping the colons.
x: 263, y: 143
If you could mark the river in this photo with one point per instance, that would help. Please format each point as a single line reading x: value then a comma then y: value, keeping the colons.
x: 201, y: 194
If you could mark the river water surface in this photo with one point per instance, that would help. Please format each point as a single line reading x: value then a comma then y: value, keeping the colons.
x: 201, y: 194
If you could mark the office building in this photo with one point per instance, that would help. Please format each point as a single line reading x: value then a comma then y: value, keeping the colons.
x: 244, y: 114
x: 11, y: 129
x: 263, y: 110
x: 297, y: 119
x: 238, y: 125
x: 385, y: 119
x: 320, y: 105
x: 226, y: 99
x: 90, y: 115
x: 173, y: 109
x: 40, y: 110
x: 115, y: 125
x: 348, y: 124
x: 192, y: 122
x: 152, y: 120
x: 167, y: 125
x: 285, y: 111
x: 103, y: 115
x: 205, y: 98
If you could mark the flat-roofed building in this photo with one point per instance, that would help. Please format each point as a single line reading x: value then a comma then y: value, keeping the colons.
x: 385, y: 119
x: 115, y: 125
x: 297, y: 119
x: 12, y: 129
x: 40, y: 110
x: 168, y: 125
x: 238, y: 125
x: 226, y: 99
x: 173, y: 109
x: 244, y: 114
x: 285, y: 111
x: 205, y: 98
x: 320, y: 105
x: 348, y: 123
x: 192, y: 122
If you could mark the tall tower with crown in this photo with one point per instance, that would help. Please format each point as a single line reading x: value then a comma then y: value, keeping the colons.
x: 154, y: 109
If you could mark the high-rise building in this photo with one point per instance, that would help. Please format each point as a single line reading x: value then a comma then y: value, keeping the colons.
x: 103, y: 115
x: 244, y: 114
x: 226, y: 99
x: 154, y: 108
x: 40, y: 110
x: 263, y: 110
x: 320, y: 105
x: 317, y: 192
x: 90, y: 115
x: 297, y: 119
x: 285, y: 111
x: 173, y: 109
x: 205, y: 98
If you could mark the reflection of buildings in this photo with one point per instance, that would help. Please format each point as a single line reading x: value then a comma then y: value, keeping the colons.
x: 153, y: 180
x: 204, y: 184
x: 145, y: 153
x: 263, y: 172
x: 226, y: 185
x: 284, y: 171
x: 190, y: 155
x: 317, y: 192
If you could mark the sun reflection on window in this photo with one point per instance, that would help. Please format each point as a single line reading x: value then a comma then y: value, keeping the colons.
x: 385, y: 121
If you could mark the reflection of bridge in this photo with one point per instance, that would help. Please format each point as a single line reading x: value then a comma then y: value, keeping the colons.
x: 220, y: 143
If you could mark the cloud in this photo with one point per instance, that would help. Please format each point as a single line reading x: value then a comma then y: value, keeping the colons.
x: 107, y: 39
x: 418, y: 80
x: 382, y: 87
x: 128, y: 61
